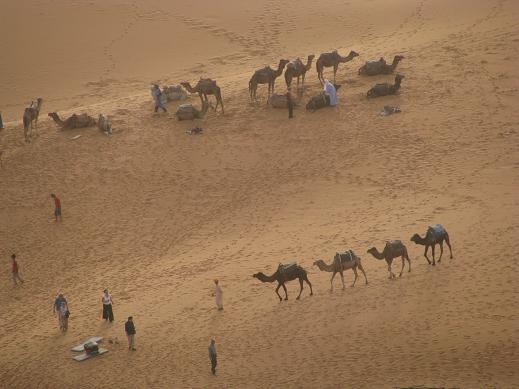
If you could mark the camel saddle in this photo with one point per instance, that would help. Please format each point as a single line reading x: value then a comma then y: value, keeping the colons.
x: 285, y: 267
x: 345, y: 256
x: 437, y: 230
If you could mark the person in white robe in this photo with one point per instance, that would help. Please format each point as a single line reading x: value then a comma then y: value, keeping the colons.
x: 218, y: 293
x: 329, y: 89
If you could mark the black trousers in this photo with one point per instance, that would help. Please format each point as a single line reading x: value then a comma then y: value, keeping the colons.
x: 107, y: 312
x: 213, y: 365
x: 290, y: 111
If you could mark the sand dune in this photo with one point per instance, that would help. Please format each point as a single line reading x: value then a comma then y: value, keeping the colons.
x: 155, y: 214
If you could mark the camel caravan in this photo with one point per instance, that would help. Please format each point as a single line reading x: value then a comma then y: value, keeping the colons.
x: 435, y: 234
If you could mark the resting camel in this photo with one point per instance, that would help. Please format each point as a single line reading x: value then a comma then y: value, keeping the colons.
x: 320, y: 101
x: 385, y: 88
x: 30, y: 118
x: 286, y: 273
x: 435, y: 234
x: 189, y: 112
x: 341, y: 262
x: 266, y: 75
x: 327, y: 60
x: 296, y: 68
x: 393, y: 249
x: 204, y: 87
x: 74, y: 121
x: 372, y: 68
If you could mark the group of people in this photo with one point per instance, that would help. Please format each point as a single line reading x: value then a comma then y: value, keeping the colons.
x: 61, y: 307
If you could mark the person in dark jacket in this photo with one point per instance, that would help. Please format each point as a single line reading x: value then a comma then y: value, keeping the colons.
x: 212, y: 355
x: 129, y: 328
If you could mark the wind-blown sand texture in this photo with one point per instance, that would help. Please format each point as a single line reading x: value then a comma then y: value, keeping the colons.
x: 155, y: 215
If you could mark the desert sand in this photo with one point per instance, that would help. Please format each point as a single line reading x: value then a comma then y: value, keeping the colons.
x: 154, y: 214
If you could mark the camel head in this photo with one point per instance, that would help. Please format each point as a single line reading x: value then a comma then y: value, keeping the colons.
x: 318, y: 262
x: 311, y: 57
x: 416, y: 238
x: 256, y: 275
x: 336, y: 86
x: 399, y: 78
x: 353, y: 54
x: 283, y: 62
x: 398, y: 58
x: 372, y: 250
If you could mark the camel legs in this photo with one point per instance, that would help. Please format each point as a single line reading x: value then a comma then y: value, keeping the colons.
x: 280, y: 299
x: 335, y: 67
x: 403, y: 264
x: 285, y: 289
x: 356, y: 276
x: 342, y: 279
x: 309, y: 284
x: 331, y: 281
x: 434, y: 261
x: 441, y: 252
x: 448, y: 243
x: 300, y: 288
x: 363, y: 272
x: 425, y: 254
x: 391, y: 275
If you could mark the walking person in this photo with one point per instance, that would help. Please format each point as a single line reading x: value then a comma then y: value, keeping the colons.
x: 129, y: 328
x: 290, y: 104
x: 15, y: 270
x: 157, y: 98
x: 212, y: 356
x: 107, y: 306
x: 1, y: 122
x: 218, y: 293
x: 61, y: 309
x: 57, y: 206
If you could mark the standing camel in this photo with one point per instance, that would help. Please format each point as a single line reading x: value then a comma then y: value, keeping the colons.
x: 296, y: 68
x: 435, y: 234
x: 327, y: 60
x: 266, y: 75
x: 341, y: 262
x: 393, y: 249
x: 204, y: 87
x: 286, y: 273
x: 30, y: 118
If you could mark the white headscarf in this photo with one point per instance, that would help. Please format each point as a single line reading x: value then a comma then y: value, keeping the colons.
x: 329, y: 89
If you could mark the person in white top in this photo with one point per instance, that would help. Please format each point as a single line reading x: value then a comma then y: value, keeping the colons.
x: 329, y: 89
x: 218, y: 293
x: 107, y: 306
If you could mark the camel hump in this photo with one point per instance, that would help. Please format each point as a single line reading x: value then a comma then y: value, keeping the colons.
x: 394, y: 243
x: 437, y: 230
x: 287, y: 266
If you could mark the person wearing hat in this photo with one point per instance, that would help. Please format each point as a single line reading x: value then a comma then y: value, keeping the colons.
x: 107, y: 306
x: 212, y: 356
x: 129, y: 328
